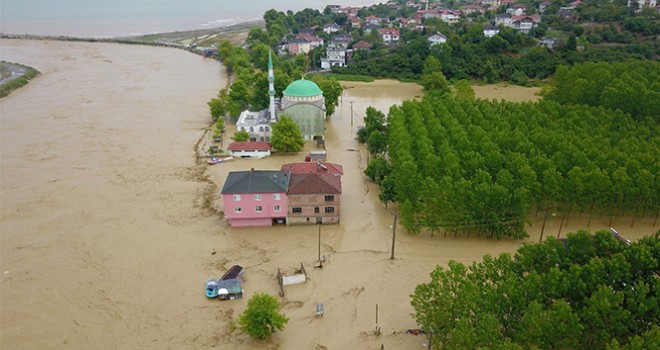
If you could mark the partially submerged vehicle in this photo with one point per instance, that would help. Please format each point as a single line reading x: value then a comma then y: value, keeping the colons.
x: 212, y: 288
x: 228, y: 287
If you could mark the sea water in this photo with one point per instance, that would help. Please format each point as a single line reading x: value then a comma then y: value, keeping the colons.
x: 117, y: 18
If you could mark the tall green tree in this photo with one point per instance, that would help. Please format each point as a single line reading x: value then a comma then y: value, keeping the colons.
x: 241, y: 136
x: 332, y: 91
x: 432, y: 77
x: 218, y: 106
x: 286, y: 135
x: 261, y: 318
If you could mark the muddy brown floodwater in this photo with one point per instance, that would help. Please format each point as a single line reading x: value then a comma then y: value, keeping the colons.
x: 110, y: 224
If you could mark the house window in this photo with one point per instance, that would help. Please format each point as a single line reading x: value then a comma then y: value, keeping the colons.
x: 258, y: 209
x: 237, y: 198
x: 267, y: 129
x: 277, y: 209
x: 329, y: 210
x: 257, y: 197
x: 296, y: 210
x: 276, y: 196
x: 251, y: 129
x: 330, y: 198
x: 237, y: 210
x: 261, y: 129
x: 316, y: 210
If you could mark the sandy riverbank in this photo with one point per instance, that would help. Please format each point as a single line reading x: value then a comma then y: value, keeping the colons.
x: 110, y: 224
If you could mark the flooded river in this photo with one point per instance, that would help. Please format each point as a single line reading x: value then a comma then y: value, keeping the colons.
x: 110, y: 224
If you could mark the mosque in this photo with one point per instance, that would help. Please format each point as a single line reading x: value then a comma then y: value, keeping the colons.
x: 302, y: 101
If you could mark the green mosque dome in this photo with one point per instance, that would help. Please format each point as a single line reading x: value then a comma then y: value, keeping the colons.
x: 303, y: 88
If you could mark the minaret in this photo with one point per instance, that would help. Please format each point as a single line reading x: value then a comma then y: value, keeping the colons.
x: 271, y: 88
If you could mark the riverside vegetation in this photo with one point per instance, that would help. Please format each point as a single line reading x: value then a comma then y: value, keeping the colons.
x: 10, y: 83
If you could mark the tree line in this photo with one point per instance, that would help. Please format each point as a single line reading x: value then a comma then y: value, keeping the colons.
x: 481, y: 167
x: 585, y: 292
x: 631, y: 86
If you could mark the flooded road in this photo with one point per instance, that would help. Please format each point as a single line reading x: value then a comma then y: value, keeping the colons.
x: 110, y: 224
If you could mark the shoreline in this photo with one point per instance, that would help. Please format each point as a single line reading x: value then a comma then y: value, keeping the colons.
x: 165, y: 39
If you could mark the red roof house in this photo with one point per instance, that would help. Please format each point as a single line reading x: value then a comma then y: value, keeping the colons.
x: 314, y: 192
x: 247, y: 149
x: 314, y: 168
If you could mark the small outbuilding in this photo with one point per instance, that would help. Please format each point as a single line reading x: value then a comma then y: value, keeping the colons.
x: 250, y: 149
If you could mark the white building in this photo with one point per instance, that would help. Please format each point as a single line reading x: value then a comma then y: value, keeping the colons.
x: 491, y: 31
x: 642, y: 3
x: 390, y: 35
x: 257, y: 124
x: 437, y: 38
x: 335, y: 56
x: 450, y: 16
x: 331, y: 28
x: 249, y: 149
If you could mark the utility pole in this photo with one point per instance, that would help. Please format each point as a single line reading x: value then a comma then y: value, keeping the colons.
x: 545, y: 218
x: 394, y: 234
x: 320, y: 263
x: 351, y: 102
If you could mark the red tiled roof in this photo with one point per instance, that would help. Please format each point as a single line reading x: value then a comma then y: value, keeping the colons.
x: 314, y: 184
x: 249, y: 146
x: 390, y: 31
x: 309, y: 37
x: 313, y: 168
x: 535, y: 18
x: 362, y: 45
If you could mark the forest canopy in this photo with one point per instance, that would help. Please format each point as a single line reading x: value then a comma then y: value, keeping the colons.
x: 477, y: 166
x: 631, y: 86
x: 586, y: 292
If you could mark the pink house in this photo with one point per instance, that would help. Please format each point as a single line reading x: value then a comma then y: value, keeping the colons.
x: 303, y: 43
x: 255, y: 197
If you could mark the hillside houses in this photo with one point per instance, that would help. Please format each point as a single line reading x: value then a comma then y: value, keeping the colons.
x: 470, y: 9
x: 356, y: 32
x: 303, y: 43
x: 522, y: 23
